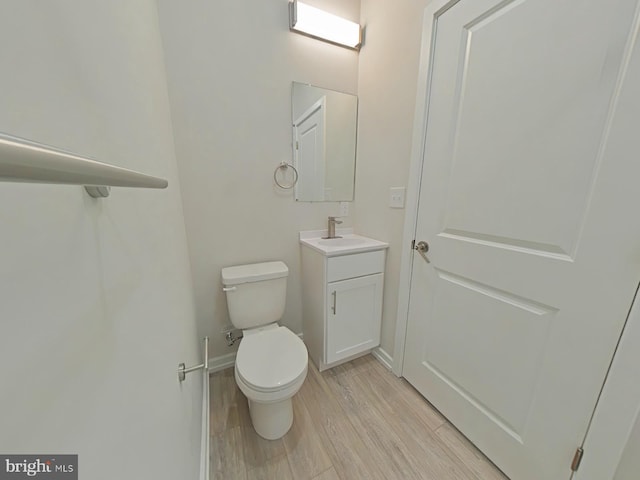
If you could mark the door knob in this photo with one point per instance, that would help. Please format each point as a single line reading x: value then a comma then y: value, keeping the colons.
x: 422, y: 247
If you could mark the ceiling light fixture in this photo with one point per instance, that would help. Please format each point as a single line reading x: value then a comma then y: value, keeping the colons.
x: 322, y: 25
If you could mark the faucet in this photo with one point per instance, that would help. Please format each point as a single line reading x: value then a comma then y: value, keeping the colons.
x: 331, y: 228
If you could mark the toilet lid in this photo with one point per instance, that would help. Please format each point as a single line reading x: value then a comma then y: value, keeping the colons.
x: 271, y: 359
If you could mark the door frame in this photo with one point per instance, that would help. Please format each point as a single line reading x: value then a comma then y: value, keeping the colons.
x: 429, y: 24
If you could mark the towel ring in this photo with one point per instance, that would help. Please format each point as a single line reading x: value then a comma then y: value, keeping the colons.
x: 284, y: 166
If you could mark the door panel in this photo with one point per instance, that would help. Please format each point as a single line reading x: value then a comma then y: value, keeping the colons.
x: 310, y: 143
x: 524, y: 193
x: 354, y: 316
x: 520, y: 330
x: 516, y: 122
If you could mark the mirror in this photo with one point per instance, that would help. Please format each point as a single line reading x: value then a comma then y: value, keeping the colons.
x: 324, y: 143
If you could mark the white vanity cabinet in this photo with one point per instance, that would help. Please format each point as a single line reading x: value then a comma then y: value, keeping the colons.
x: 341, y: 303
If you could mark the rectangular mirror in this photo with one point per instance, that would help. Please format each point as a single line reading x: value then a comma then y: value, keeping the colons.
x: 324, y: 143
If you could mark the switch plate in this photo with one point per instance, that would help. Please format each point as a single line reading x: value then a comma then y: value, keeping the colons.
x: 396, y: 197
x: 344, y: 209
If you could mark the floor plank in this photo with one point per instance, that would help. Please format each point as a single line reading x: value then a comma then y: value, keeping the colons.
x: 257, y: 450
x: 387, y: 451
x: 354, y: 421
x: 404, y: 398
x: 468, y: 453
x: 345, y: 447
x: 329, y: 474
x: 224, y: 395
x: 429, y: 458
x: 226, y: 455
x: 305, y: 450
x: 274, y: 468
x: 355, y: 366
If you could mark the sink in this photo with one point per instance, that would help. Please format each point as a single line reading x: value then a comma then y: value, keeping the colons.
x: 341, y: 242
x: 347, y: 243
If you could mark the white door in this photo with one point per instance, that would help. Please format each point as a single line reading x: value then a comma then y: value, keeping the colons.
x: 529, y: 203
x: 309, y: 152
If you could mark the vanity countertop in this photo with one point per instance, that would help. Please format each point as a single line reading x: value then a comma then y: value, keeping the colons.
x: 347, y: 243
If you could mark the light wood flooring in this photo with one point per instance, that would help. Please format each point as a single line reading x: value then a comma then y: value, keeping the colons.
x: 355, y: 421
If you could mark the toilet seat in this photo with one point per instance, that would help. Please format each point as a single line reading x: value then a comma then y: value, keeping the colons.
x: 271, y: 359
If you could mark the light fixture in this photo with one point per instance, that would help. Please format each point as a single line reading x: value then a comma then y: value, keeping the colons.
x: 325, y: 26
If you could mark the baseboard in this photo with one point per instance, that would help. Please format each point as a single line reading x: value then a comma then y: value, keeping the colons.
x: 383, y: 357
x: 222, y: 362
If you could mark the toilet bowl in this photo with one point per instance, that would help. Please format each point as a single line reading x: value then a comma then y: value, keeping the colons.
x: 271, y: 363
x: 271, y: 366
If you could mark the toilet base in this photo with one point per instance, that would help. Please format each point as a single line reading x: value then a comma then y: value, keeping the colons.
x: 271, y: 420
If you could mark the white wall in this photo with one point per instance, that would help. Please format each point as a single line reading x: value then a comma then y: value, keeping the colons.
x: 96, y: 307
x: 387, y: 82
x: 630, y: 462
x: 230, y: 66
x: 612, y: 444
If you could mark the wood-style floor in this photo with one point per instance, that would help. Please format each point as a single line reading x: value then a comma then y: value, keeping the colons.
x: 356, y: 421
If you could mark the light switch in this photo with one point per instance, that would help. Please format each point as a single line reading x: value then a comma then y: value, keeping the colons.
x: 396, y: 197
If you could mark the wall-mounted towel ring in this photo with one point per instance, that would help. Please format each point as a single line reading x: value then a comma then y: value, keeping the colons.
x: 285, y: 166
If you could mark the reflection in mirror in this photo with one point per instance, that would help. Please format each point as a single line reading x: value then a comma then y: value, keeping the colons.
x: 324, y: 143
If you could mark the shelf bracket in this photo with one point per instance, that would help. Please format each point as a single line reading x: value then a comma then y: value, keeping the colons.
x: 98, y: 192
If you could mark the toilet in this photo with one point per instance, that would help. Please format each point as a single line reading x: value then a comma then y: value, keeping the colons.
x: 271, y: 363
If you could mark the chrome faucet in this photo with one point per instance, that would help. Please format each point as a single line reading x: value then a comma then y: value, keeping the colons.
x: 331, y: 228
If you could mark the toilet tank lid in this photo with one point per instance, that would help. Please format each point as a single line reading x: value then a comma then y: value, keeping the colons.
x: 254, y: 272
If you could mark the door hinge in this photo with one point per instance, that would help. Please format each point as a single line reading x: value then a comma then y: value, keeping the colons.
x: 413, y: 244
x: 577, y: 458
x: 297, y: 146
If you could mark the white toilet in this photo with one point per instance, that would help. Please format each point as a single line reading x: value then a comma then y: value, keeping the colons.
x: 271, y: 363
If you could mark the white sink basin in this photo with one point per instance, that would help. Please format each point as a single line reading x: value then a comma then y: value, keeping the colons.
x: 341, y: 242
x: 346, y: 244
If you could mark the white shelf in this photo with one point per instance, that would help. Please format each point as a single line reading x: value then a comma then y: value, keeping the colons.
x: 26, y: 161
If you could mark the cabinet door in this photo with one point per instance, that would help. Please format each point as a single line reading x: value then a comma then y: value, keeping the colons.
x: 354, y: 313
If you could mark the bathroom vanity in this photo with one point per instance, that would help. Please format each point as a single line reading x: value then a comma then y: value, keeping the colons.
x: 342, y: 284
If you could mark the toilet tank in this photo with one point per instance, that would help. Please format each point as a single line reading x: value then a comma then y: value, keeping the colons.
x: 256, y: 293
